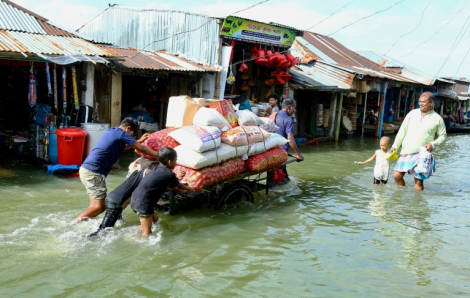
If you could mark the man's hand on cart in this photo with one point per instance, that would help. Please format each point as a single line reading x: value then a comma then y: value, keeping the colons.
x: 299, y: 157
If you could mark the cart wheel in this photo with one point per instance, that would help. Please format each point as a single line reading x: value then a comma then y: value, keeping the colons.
x: 234, y: 194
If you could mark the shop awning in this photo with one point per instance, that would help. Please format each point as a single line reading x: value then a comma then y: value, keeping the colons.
x: 69, y: 59
x: 29, y: 45
x: 323, y: 77
x: 155, y: 60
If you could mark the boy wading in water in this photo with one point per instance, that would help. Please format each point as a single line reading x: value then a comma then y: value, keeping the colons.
x: 153, y: 185
x: 382, y: 166
x: 118, y: 199
x: 97, y: 165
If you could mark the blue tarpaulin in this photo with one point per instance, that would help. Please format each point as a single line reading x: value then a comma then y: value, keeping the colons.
x: 51, y: 169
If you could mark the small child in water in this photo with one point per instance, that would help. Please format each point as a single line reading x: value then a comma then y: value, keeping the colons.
x: 382, y: 166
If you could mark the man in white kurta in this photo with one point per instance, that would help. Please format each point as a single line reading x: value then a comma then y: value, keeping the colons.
x: 420, y: 128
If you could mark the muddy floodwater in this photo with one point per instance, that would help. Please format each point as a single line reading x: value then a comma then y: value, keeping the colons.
x: 329, y: 234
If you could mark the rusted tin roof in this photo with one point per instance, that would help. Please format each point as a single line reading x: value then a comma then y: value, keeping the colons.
x: 314, y: 46
x: 403, y: 69
x: 158, y: 60
x: 318, y: 75
x: 21, y: 42
x: 16, y: 18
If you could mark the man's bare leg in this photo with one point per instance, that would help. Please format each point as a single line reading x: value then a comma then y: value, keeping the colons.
x: 398, y: 176
x: 419, y: 184
x: 96, y: 208
x: 146, y: 226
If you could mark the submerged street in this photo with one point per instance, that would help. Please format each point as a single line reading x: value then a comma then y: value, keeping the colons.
x: 332, y: 235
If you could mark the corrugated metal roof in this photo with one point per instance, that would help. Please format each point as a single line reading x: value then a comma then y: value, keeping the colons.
x: 12, y: 41
x: 331, y: 52
x: 16, y: 18
x: 402, y: 69
x: 322, y: 76
x: 12, y: 18
x: 148, y: 60
x: 140, y: 28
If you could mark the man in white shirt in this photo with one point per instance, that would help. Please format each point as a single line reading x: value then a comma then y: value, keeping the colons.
x: 419, y: 128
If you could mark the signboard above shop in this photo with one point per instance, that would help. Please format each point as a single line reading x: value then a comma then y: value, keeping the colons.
x: 259, y: 33
x: 446, y: 90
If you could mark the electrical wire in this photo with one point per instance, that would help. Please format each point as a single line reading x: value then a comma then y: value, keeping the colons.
x: 463, y: 59
x: 455, y: 44
x: 363, y: 18
x: 391, y: 47
x: 421, y: 20
x: 435, y: 33
x: 195, y: 29
x: 330, y: 15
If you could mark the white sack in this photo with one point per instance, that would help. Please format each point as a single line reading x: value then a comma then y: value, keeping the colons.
x: 273, y: 141
x: 196, y: 160
x: 248, y: 118
x: 268, y: 125
x: 197, y: 138
x: 210, y: 117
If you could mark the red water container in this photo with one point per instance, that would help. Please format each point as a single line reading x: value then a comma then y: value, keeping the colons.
x: 70, y: 145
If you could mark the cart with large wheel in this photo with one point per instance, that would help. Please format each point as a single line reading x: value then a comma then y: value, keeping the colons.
x: 236, y: 190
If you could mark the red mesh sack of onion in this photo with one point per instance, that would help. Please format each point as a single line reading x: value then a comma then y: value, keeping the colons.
x: 198, y: 179
x: 158, y: 140
x: 266, y: 161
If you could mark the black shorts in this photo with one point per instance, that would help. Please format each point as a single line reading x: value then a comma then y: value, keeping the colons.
x: 376, y: 181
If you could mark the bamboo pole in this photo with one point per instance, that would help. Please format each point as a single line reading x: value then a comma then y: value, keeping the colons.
x: 338, y: 120
x: 365, y: 111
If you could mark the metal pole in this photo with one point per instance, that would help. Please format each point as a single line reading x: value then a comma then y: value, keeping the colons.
x: 382, y: 108
x: 397, y: 115
x: 365, y: 110
x: 338, y: 120
x: 406, y: 102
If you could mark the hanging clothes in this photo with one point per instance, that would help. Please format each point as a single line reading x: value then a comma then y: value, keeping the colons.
x: 32, y: 96
x: 74, y: 84
x: 56, y: 104
x: 48, y: 77
x: 64, y: 88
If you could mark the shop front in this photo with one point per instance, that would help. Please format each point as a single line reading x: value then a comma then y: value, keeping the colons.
x: 256, y: 61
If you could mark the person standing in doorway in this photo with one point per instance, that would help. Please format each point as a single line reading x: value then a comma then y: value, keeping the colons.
x: 462, y: 114
x: 97, y: 165
x: 420, y: 128
x: 273, y: 104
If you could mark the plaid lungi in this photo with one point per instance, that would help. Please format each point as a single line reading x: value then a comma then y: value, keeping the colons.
x: 407, y: 163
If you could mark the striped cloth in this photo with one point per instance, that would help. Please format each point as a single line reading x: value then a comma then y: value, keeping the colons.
x: 407, y: 163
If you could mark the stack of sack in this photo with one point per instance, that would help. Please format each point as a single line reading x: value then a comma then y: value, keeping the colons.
x: 216, y: 144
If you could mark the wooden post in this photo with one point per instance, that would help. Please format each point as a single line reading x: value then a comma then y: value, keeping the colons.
x: 365, y: 111
x: 331, y: 121
x: 378, y: 130
x: 116, y: 97
x: 406, y: 102
x: 313, y: 117
x: 338, y: 120
x: 397, y: 115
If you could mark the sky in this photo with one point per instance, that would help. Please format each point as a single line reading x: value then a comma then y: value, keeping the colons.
x: 396, y: 31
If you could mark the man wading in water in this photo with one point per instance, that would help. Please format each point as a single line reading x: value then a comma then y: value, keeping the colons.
x: 418, y: 129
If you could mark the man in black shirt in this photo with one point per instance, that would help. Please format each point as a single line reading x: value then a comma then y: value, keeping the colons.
x: 152, y: 186
x: 119, y: 198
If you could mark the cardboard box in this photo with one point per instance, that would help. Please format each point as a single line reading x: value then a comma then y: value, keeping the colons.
x: 181, y: 111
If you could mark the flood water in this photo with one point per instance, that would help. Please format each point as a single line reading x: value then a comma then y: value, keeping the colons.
x: 332, y: 235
